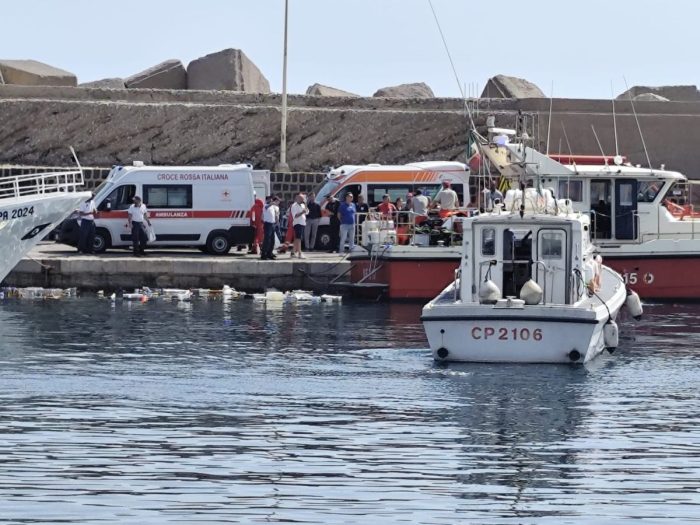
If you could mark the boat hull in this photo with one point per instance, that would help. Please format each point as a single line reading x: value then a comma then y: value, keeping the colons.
x: 405, y: 278
x: 518, y: 340
x: 24, y: 221
x: 543, y: 333
x: 664, y: 277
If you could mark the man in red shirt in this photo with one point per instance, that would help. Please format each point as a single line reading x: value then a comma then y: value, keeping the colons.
x: 256, y: 219
x: 386, y: 208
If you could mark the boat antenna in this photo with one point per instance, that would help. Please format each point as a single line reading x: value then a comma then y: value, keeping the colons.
x: 641, y: 135
x: 549, y: 122
x: 568, y: 144
x: 612, y: 98
x: 454, y: 69
x: 599, y: 145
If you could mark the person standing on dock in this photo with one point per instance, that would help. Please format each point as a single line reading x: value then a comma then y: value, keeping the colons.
x: 138, y: 214
x: 86, y: 212
x: 331, y: 209
x: 362, y: 209
x: 256, y: 217
x: 299, y: 211
x: 312, y: 220
x: 346, y: 215
x: 271, y: 217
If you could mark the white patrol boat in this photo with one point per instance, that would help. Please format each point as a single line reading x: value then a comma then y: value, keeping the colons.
x: 30, y: 207
x: 529, y: 288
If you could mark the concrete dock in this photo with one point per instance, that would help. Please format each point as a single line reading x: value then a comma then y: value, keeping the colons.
x: 59, y: 266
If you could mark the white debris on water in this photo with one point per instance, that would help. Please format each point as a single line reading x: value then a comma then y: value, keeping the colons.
x: 36, y: 292
x: 145, y: 294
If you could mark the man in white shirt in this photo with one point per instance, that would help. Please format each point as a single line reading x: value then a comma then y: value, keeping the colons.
x: 271, y: 217
x: 299, y: 211
x: 138, y: 214
x: 419, y: 203
x: 446, y: 199
x: 86, y: 212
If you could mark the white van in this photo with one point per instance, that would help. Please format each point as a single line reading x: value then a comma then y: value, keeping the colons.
x: 203, y: 206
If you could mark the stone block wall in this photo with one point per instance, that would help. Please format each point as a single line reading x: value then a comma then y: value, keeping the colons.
x: 194, y: 127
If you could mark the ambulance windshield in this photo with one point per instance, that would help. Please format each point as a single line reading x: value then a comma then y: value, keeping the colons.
x: 327, y: 188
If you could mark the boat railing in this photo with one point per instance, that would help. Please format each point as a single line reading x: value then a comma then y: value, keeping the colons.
x: 409, y: 228
x: 40, y: 183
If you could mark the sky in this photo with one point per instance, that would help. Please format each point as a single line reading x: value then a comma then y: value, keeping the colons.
x: 570, y: 49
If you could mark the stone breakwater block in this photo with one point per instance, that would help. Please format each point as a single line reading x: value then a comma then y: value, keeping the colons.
x: 33, y: 73
x: 650, y: 97
x: 416, y: 90
x: 503, y: 86
x: 230, y: 70
x: 170, y: 74
x: 108, y: 83
x: 675, y: 93
x: 326, y: 91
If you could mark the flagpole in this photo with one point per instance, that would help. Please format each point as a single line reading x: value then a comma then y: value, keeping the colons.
x: 282, y: 164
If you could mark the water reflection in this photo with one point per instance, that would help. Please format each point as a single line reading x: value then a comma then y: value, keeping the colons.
x: 331, y: 413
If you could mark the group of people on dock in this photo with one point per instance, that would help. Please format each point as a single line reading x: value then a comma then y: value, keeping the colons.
x: 304, y: 215
x: 300, y: 221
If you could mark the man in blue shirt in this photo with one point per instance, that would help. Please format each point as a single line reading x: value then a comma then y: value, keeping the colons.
x: 346, y: 215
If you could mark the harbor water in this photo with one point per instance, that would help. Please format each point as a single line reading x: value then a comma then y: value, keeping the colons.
x: 237, y: 412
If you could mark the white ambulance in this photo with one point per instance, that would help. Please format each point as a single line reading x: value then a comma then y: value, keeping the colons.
x: 202, y: 206
x: 373, y: 181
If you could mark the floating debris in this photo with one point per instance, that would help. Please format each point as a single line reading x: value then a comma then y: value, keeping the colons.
x: 35, y: 292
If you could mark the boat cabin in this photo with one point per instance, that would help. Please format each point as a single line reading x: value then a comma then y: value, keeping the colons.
x: 507, y: 250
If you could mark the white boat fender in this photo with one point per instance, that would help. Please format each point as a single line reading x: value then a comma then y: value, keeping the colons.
x: 489, y: 293
x: 531, y: 292
x: 611, y: 335
x: 634, y: 305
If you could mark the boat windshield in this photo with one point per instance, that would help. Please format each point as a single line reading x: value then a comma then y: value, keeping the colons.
x: 325, y: 189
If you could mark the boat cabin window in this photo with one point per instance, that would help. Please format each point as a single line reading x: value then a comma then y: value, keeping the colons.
x: 571, y: 189
x: 120, y: 199
x: 167, y: 195
x: 551, y: 245
x: 488, y: 241
x: 648, y: 190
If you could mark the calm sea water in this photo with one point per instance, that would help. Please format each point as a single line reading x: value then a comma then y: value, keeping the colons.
x: 213, y: 412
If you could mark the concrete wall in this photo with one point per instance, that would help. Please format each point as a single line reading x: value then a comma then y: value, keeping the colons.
x: 198, y: 127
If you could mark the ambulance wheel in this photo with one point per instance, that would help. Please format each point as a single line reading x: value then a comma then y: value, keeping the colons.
x: 102, y: 240
x: 218, y: 243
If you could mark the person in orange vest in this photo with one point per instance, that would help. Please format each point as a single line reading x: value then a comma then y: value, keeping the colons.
x: 256, y: 221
